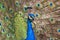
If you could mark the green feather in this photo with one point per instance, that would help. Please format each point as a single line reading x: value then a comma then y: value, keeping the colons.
x: 20, y: 29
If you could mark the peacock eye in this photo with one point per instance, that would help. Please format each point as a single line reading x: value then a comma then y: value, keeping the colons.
x: 51, y: 4
x: 8, y: 35
x: 25, y: 8
x: 0, y: 24
x: 17, y: 3
x: 6, y: 18
x: 36, y: 15
x: 38, y: 5
x: 51, y: 19
x: 3, y: 30
x: 20, y: 14
x: 10, y: 10
x: 58, y: 30
x: 3, y: 6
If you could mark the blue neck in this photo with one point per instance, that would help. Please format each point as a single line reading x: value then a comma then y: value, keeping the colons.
x: 30, y: 32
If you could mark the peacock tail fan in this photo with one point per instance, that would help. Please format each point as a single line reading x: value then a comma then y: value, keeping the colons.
x: 20, y: 27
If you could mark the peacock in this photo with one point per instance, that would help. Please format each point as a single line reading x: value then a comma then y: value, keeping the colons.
x: 30, y: 31
x: 17, y: 24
